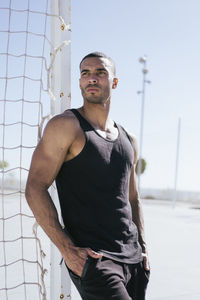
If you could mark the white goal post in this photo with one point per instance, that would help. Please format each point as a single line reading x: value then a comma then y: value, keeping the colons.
x: 60, y: 87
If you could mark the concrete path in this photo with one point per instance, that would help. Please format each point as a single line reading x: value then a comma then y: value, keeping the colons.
x: 173, y: 236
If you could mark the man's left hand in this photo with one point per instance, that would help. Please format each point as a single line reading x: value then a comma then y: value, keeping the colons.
x: 146, y: 262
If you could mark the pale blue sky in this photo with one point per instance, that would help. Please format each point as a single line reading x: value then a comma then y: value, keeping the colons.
x: 168, y: 33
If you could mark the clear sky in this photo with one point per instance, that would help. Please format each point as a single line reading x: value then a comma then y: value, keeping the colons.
x: 168, y: 33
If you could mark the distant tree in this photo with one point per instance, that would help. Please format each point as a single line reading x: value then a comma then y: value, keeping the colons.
x: 3, y: 164
x: 143, y: 166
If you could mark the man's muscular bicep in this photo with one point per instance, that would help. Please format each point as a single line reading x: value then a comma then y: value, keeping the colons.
x: 133, y: 191
x: 51, y: 151
x: 135, y: 147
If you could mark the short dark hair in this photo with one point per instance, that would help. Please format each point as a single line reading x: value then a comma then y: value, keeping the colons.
x: 100, y: 55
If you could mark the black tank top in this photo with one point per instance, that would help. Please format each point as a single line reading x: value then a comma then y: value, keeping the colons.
x: 93, y: 190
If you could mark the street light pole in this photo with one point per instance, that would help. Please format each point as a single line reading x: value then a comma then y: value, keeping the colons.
x: 177, y: 162
x: 143, y: 61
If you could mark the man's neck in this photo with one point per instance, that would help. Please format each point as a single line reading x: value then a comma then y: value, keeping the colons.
x: 96, y: 114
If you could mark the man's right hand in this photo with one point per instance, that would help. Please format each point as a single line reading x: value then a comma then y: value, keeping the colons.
x: 76, y: 258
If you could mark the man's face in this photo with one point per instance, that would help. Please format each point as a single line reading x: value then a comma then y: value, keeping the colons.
x: 97, y: 80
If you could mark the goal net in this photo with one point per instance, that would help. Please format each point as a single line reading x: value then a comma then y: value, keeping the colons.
x: 34, y: 39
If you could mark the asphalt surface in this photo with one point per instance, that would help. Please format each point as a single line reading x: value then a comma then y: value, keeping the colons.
x: 173, y: 237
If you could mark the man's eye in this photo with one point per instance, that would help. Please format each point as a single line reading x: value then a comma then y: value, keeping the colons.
x: 102, y: 72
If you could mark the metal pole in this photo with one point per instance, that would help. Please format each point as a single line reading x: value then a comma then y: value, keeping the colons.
x: 144, y: 71
x: 177, y: 162
x: 60, y: 284
x: 141, y: 131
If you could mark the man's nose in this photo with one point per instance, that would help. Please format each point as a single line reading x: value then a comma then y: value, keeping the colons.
x: 92, y: 79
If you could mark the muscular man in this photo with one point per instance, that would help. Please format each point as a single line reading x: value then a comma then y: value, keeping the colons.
x: 92, y: 160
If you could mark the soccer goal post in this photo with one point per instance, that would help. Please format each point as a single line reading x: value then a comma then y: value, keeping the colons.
x: 34, y: 86
x: 61, y: 98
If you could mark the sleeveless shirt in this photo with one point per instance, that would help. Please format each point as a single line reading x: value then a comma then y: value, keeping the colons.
x: 93, y: 190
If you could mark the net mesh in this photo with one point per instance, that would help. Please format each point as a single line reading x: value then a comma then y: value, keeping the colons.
x: 27, y: 57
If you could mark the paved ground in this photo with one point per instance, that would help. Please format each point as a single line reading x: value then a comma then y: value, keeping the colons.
x: 173, y: 236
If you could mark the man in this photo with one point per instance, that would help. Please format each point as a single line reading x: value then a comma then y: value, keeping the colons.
x: 93, y: 160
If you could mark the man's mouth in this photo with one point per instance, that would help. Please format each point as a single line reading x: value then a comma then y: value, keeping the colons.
x: 92, y: 89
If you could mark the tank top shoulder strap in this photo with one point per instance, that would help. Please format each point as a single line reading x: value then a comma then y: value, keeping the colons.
x: 125, y: 132
x: 85, y: 125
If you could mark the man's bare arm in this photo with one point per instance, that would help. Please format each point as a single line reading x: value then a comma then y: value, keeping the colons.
x: 47, y: 159
x: 137, y: 213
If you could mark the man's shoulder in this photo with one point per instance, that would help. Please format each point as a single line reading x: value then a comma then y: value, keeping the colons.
x: 131, y: 136
x: 66, y: 117
x: 65, y: 124
x: 65, y: 120
x: 133, y: 140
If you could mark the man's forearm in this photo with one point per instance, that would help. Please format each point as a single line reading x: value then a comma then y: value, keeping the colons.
x: 138, y: 219
x: 46, y: 215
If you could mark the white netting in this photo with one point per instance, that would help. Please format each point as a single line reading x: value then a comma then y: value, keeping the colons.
x: 27, y: 57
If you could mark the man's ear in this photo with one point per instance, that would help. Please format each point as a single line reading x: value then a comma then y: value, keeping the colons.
x: 115, y: 83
